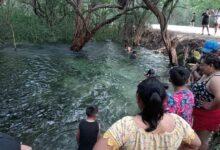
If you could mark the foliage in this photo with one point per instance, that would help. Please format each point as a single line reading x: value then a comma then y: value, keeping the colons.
x: 58, y: 25
x: 29, y: 27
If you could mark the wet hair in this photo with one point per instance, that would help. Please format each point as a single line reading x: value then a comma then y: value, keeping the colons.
x: 134, y: 52
x: 152, y: 94
x: 211, y: 59
x: 151, y: 72
x: 91, y: 110
x: 179, y: 75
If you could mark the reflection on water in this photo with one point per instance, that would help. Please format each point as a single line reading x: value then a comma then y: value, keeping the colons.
x: 45, y: 89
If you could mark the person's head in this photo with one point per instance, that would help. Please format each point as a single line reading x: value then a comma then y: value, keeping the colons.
x: 129, y: 49
x: 150, y: 73
x: 150, y: 98
x: 209, y: 64
x: 207, y: 10
x: 211, y: 46
x: 179, y: 76
x: 134, y: 52
x: 194, y: 13
x: 91, y: 111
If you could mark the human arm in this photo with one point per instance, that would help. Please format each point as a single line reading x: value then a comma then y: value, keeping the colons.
x: 77, y: 136
x: 102, y: 144
x: 114, y: 137
x: 195, y: 76
x: 214, y: 88
x: 190, y: 138
x: 99, y: 133
x: 194, y: 145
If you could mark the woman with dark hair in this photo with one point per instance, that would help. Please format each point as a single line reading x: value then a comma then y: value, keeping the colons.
x: 207, y: 96
x: 152, y: 128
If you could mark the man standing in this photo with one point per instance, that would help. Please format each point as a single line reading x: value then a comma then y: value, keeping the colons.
x: 217, y: 20
x: 205, y: 21
x: 193, y: 19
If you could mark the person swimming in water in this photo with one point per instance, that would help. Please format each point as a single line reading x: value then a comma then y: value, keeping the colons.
x: 150, y: 73
x: 133, y: 55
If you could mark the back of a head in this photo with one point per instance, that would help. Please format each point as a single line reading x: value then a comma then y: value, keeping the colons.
x: 91, y: 111
x: 179, y: 75
x: 152, y: 94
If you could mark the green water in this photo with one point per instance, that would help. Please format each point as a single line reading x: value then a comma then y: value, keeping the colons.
x: 45, y: 89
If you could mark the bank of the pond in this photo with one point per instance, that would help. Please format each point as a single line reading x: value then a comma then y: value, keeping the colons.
x: 152, y: 40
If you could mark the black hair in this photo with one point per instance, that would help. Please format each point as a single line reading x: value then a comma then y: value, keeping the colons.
x: 152, y: 94
x: 134, y: 52
x: 151, y: 72
x: 211, y: 59
x: 179, y: 75
x: 91, y: 110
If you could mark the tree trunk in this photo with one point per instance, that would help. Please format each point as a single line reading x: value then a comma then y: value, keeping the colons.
x: 138, y: 35
x: 84, y: 31
x: 140, y: 28
x: 1, y: 2
x: 81, y: 35
x: 171, y: 50
x: 13, y: 36
x: 80, y: 39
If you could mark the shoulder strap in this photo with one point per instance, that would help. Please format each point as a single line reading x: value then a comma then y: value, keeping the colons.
x: 211, y: 77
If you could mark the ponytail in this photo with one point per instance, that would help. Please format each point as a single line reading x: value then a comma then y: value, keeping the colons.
x: 152, y: 93
x: 152, y: 112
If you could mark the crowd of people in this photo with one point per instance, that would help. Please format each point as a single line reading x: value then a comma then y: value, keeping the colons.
x: 206, y: 20
x: 184, y: 119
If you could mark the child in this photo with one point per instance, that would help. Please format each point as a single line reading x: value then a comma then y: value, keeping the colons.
x: 181, y: 102
x: 88, y: 131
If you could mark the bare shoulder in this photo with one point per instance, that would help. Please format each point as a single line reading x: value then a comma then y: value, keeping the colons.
x: 215, y: 81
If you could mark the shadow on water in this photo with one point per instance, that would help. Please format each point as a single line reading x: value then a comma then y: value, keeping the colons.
x: 45, y: 89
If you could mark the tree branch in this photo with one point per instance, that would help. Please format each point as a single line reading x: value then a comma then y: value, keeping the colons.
x: 110, y: 20
x: 78, y: 12
x: 172, y: 9
x: 166, y: 5
x: 102, y: 6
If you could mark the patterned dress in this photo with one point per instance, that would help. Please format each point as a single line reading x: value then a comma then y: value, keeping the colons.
x: 125, y: 134
x: 181, y: 103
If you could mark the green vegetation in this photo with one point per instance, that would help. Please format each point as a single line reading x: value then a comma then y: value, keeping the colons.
x: 53, y: 21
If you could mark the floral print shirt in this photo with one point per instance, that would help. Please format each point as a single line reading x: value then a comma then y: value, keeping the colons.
x: 181, y: 103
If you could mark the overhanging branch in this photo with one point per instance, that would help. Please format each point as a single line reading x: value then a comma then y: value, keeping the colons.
x: 102, y: 6
x: 110, y: 20
x: 78, y: 12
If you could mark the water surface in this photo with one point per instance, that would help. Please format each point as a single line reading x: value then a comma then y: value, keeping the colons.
x: 45, y: 89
